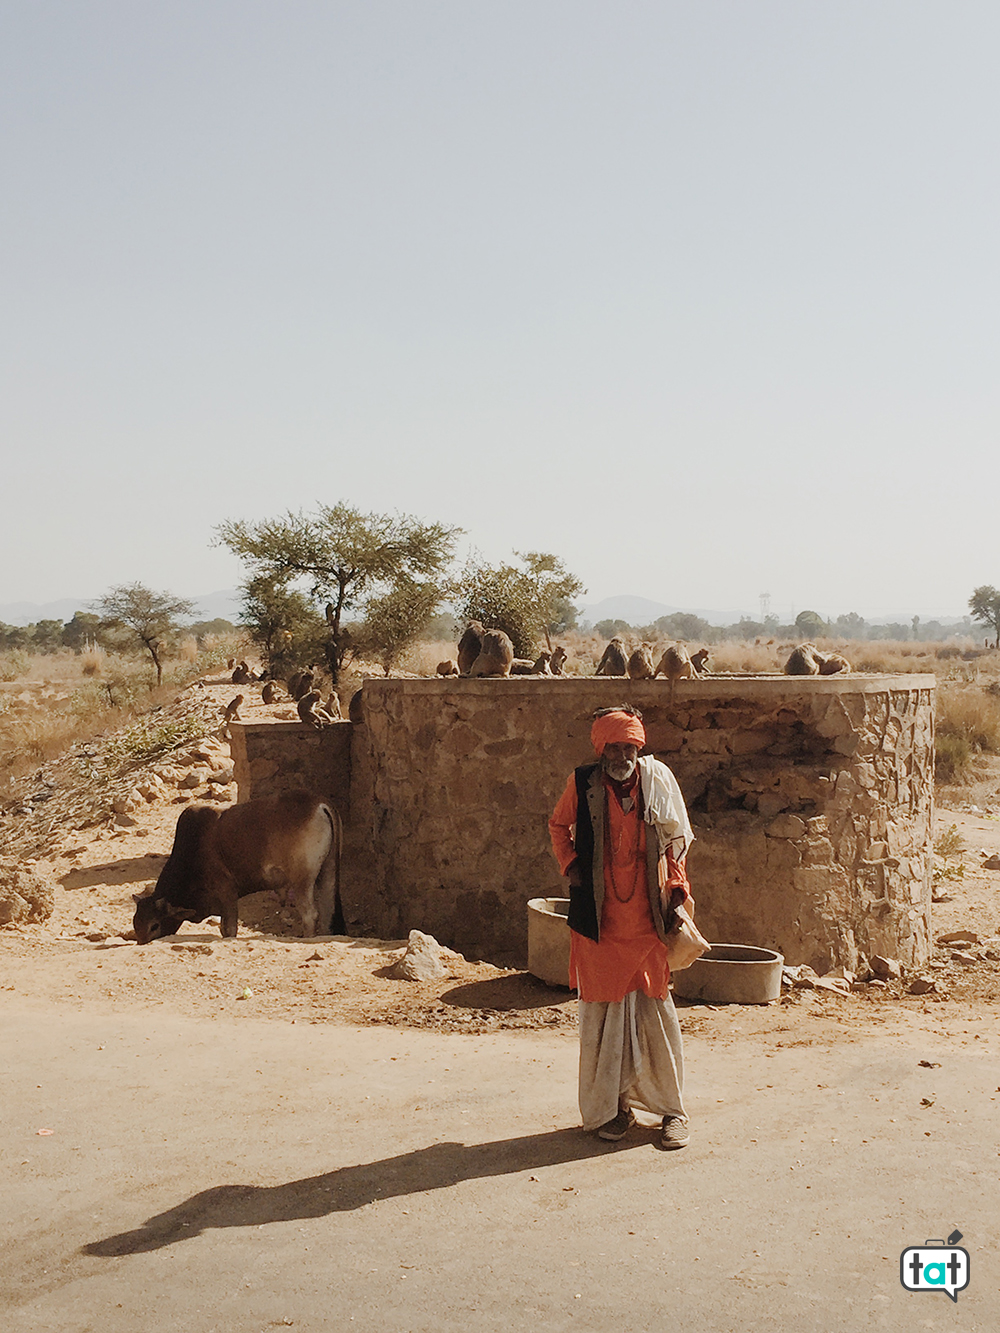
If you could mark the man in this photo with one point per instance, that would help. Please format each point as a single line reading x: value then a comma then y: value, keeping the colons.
x: 620, y: 834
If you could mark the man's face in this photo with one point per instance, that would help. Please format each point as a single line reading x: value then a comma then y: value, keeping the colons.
x: 619, y: 760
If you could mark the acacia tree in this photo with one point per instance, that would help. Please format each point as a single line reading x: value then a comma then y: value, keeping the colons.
x: 985, y: 607
x: 341, y: 557
x: 394, y: 621
x: 526, y: 603
x: 282, y: 623
x: 146, y: 616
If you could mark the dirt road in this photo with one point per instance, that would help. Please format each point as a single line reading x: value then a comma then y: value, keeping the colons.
x: 229, y: 1176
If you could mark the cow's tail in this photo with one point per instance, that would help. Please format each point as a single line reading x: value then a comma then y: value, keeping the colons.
x: 330, y: 909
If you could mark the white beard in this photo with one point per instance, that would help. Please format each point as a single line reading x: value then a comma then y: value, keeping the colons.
x: 620, y: 772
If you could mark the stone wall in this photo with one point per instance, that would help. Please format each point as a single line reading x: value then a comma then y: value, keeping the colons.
x: 811, y: 799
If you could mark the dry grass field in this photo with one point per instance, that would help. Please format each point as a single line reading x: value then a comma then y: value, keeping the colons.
x: 51, y: 701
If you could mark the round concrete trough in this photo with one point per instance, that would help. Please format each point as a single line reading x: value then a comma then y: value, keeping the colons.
x: 548, y: 940
x: 732, y: 974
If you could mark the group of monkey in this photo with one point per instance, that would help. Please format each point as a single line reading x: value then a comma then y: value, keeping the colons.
x: 308, y: 701
x: 490, y: 652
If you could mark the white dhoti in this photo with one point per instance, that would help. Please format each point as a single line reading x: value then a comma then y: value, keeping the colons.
x: 630, y: 1054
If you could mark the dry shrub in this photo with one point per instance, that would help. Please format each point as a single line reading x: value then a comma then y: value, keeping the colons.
x: 742, y: 658
x: 187, y: 649
x: 421, y: 659
x: 92, y: 659
x: 968, y: 725
x: 70, y: 704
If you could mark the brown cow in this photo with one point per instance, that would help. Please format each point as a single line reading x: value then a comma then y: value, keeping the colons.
x: 288, y: 843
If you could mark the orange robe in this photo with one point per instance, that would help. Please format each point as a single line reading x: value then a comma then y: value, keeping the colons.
x: 630, y: 955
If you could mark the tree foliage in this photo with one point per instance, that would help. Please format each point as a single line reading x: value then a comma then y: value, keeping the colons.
x: 527, y: 603
x: 396, y: 620
x: 146, y: 617
x: 985, y: 607
x: 339, y: 556
x: 811, y: 624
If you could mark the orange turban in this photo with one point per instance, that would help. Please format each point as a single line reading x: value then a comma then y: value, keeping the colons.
x: 617, y: 727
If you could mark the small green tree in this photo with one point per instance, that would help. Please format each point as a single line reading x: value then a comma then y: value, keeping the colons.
x: 525, y: 603
x: 985, y: 607
x: 284, y: 625
x: 46, y: 636
x: 148, y: 617
x: 81, y: 629
x: 343, y: 557
x: 810, y: 624
x: 396, y: 620
x: 607, y: 629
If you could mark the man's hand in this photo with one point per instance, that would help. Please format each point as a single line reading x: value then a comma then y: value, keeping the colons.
x: 670, y: 906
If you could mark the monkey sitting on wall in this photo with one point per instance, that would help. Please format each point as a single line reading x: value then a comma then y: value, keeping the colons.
x: 640, y: 663
x: 613, y: 662
x: 312, y: 713
x: 495, y: 656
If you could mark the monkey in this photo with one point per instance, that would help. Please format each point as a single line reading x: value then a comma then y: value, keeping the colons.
x: 803, y: 661
x: 242, y: 675
x: 447, y: 668
x: 469, y: 647
x: 676, y: 664
x: 542, y: 665
x: 495, y: 655
x: 832, y: 663
x: 333, y: 707
x: 640, y: 664
x: 269, y: 693
x: 699, y: 661
x: 312, y: 712
x: 300, y: 683
x: 557, y: 661
x: 613, y: 661
x: 231, y: 713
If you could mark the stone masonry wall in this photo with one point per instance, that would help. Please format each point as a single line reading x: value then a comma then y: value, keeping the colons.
x: 811, y: 800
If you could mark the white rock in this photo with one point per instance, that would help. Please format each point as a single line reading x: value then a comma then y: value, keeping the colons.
x: 421, y: 961
x: 885, y: 967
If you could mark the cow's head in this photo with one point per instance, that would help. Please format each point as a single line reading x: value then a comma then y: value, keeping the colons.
x: 155, y: 917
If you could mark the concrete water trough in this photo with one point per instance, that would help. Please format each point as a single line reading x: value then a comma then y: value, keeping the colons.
x: 732, y: 974
x: 548, y: 940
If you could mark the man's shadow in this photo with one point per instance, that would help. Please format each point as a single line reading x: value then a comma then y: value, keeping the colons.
x: 437, y: 1167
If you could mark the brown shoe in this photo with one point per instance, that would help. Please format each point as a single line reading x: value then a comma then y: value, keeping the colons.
x: 674, y: 1132
x: 617, y: 1129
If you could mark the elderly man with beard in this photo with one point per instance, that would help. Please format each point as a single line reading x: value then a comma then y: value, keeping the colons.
x: 620, y: 834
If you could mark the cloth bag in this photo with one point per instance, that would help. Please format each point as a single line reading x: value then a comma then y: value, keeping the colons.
x: 685, y: 943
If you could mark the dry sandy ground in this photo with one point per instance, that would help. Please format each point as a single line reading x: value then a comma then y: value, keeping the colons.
x: 82, y: 955
x: 406, y: 1154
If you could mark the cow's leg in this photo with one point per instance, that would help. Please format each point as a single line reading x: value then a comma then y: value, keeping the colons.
x: 226, y: 895
x: 229, y: 920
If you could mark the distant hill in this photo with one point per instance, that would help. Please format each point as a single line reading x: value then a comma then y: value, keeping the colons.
x: 208, y: 606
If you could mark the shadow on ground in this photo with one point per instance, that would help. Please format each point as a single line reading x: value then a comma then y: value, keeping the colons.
x: 518, y: 991
x: 132, y: 870
x: 437, y: 1167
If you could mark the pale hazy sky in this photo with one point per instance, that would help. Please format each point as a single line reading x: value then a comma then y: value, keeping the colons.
x: 701, y: 296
